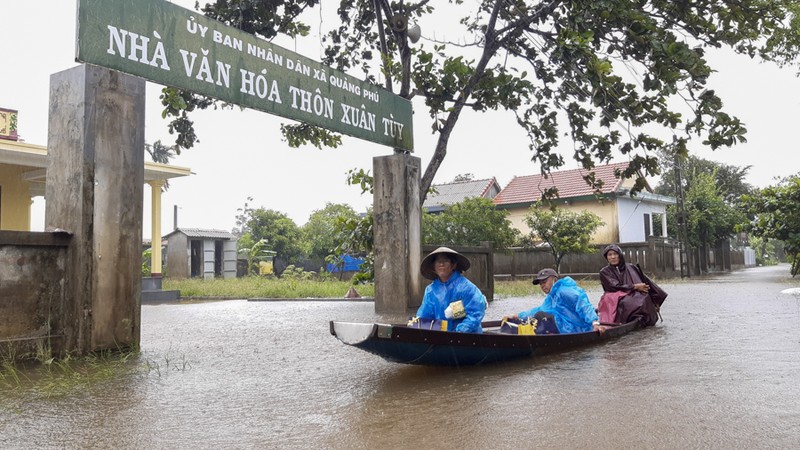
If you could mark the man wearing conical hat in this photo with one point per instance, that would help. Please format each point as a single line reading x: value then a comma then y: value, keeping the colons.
x: 451, y: 296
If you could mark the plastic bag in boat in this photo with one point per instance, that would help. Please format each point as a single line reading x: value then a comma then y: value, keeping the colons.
x: 428, y: 324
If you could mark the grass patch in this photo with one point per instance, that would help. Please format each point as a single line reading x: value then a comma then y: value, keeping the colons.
x: 516, y: 288
x: 264, y: 287
x: 53, y: 378
x: 56, y: 377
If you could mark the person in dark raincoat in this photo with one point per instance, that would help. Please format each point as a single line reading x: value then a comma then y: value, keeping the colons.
x: 629, y: 294
x: 451, y: 296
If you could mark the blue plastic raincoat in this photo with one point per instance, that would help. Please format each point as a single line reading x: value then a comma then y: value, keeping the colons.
x: 439, y: 295
x: 569, y: 304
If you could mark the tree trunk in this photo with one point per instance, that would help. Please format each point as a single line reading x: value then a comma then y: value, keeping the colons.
x: 489, y: 49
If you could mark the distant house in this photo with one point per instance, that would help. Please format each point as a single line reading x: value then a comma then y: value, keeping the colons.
x: 627, y: 219
x: 194, y: 252
x: 451, y: 193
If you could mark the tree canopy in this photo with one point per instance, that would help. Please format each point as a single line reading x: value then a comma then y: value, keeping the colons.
x: 597, y: 78
x: 319, y: 232
x: 776, y: 215
x: 469, y: 222
x: 353, y: 236
x: 280, y: 232
x: 729, y: 179
x: 562, y: 231
x: 709, y: 218
x: 161, y: 154
x: 712, y: 194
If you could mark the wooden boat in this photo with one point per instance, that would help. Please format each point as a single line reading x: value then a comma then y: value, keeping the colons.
x: 408, y: 345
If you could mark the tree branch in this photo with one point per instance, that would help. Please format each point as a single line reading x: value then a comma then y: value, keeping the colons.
x: 489, y: 50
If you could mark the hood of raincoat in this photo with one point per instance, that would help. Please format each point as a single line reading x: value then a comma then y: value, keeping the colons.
x: 616, y: 248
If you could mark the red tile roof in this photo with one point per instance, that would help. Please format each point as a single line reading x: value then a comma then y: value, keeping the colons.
x: 570, y: 184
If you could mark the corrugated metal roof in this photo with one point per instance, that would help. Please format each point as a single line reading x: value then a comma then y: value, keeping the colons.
x: 451, y: 193
x: 570, y: 184
x: 200, y: 233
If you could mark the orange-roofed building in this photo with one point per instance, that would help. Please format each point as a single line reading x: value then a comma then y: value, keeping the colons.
x: 627, y: 219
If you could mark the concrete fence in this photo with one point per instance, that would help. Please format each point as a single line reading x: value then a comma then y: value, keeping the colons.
x: 33, y: 272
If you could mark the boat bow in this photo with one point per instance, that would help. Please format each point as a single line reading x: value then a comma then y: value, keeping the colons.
x: 353, y: 333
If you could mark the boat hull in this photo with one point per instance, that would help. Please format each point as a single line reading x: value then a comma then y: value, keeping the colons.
x: 403, y: 344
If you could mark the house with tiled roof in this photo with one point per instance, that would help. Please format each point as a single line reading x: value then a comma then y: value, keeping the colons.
x: 447, y: 194
x: 627, y: 218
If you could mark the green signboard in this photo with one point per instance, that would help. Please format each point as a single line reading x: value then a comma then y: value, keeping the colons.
x: 177, y: 47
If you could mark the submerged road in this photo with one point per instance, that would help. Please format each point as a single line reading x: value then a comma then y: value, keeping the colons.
x: 721, y: 371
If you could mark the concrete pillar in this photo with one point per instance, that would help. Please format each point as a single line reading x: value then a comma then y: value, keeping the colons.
x: 95, y: 178
x: 664, y: 225
x: 155, y: 227
x: 397, y: 233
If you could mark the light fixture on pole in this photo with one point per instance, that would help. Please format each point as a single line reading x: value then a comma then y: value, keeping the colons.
x: 399, y: 22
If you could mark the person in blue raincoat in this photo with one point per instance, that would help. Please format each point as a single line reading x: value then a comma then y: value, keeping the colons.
x: 566, y: 301
x: 451, y: 296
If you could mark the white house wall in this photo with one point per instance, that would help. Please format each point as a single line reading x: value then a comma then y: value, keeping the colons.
x: 631, y: 219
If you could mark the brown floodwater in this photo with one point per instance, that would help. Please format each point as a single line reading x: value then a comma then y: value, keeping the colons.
x: 721, y: 371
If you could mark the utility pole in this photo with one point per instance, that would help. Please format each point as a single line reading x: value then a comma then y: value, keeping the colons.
x: 681, y: 216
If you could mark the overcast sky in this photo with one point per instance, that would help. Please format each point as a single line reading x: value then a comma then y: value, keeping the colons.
x: 241, y: 153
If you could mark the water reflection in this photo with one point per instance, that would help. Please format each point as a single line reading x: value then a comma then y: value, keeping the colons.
x: 719, y: 372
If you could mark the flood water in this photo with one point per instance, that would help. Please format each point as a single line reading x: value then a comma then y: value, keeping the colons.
x: 721, y: 371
